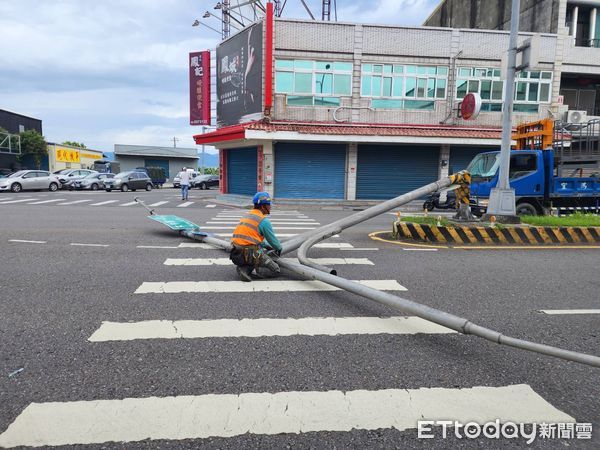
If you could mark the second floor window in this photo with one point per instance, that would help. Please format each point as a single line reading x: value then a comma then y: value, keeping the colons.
x: 316, y: 83
x: 404, y: 81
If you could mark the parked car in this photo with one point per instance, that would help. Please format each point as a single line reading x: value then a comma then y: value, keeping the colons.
x: 157, y: 174
x: 205, y: 181
x: 130, y: 180
x: 68, y: 176
x: 177, y: 179
x: 93, y: 181
x: 29, y: 180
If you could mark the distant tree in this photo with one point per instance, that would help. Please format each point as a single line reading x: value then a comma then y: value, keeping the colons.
x: 209, y: 170
x: 74, y: 144
x: 33, y: 143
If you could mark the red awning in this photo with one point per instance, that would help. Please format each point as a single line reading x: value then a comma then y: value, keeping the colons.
x: 237, y: 132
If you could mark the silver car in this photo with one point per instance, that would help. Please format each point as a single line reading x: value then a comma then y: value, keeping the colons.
x: 29, y: 180
x: 68, y: 176
x: 93, y: 181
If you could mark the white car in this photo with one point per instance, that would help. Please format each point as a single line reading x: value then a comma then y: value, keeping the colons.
x: 177, y: 179
x: 29, y: 180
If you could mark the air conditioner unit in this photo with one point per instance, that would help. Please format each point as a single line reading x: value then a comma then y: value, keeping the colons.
x: 576, y: 116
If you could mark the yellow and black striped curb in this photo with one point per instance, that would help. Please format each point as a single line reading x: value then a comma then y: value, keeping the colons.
x: 496, y: 235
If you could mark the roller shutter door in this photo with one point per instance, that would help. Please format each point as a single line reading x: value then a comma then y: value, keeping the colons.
x: 386, y: 171
x: 310, y: 170
x: 241, y: 171
x: 460, y: 157
x: 158, y: 163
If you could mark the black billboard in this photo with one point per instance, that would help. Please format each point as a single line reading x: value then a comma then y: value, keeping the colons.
x: 239, y: 77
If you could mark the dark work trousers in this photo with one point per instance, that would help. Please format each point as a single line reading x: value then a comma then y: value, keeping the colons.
x: 253, y: 257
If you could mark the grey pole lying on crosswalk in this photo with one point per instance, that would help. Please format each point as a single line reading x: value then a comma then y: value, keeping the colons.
x: 314, y: 271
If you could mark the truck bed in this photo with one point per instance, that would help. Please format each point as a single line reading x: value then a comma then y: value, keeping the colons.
x: 575, y: 187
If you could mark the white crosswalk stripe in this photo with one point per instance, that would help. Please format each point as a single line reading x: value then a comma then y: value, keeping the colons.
x: 227, y: 261
x: 159, y: 203
x: 569, y: 311
x: 172, y: 287
x: 308, y: 326
x: 75, y: 202
x: 107, y: 202
x: 47, y: 201
x: 267, y: 413
x: 129, y: 204
x: 185, y: 205
x: 18, y: 201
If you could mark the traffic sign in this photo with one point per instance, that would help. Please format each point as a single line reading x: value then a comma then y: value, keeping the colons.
x: 470, y: 106
x: 175, y: 222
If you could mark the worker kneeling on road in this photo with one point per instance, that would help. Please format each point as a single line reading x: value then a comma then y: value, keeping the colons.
x: 249, y: 251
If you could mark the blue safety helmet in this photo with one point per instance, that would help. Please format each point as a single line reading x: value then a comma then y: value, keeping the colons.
x: 262, y: 198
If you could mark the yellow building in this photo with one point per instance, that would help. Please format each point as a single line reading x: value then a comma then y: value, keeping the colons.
x: 68, y: 157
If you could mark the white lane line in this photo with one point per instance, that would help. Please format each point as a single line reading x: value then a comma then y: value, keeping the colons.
x: 420, y: 249
x: 196, y: 245
x: 211, y: 206
x: 266, y: 413
x: 27, y: 242
x: 359, y: 249
x: 88, y: 245
x: 227, y: 261
x: 185, y: 205
x: 340, y: 246
x: 308, y: 326
x: 104, y: 203
x: 159, y: 203
x: 570, y: 311
x: 74, y: 202
x: 171, y: 287
x: 48, y: 201
x: 155, y: 246
x: 128, y: 204
x: 18, y: 201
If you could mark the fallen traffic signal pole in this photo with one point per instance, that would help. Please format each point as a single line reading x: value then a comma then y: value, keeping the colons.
x: 313, y: 271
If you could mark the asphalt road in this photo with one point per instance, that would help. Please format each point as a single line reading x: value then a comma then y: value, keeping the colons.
x: 56, y: 295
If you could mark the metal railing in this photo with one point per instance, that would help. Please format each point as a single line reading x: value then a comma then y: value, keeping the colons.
x: 10, y: 143
x: 576, y: 144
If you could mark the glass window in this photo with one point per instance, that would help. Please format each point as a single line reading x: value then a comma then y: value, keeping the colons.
x: 387, y: 87
x: 367, y: 67
x: 544, y: 92
x: 411, y: 69
x: 295, y: 100
x: 303, y: 64
x: 303, y: 82
x: 377, y: 68
x: 419, y: 104
x: 546, y: 75
x: 497, y: 73
x: 431, y: 70
x: 464, y: 72
x: 533, y: 92
x: 387, y: 103
x: 526, y: 108
x: 441, y: 70
x: 421, y: 70
x: 421, y: 84
x: 461, y: 88
x: 322, y: 65
x: 376, y: 87
x: 497, y: 90
x: 535, y: 75
x: 431, y: 88
x: 327, y: 101
x: 521, y: 91
x: 342, y: 84
x: 284, y: 64
x: 284, y: 82
x: 398, y: 69
x: 480, y: 72
x: 440, y: 88
x: 365, y: 88
x: 521, y: 165
x: 474, y: 86
x: 397, y: 87
x: 486, y: 89
x: 387, y: 68
x: 323, y: 83
x: 411, y: 84
x: 343, y: 66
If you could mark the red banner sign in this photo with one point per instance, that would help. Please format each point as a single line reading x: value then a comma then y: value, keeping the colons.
x: 200, y: 88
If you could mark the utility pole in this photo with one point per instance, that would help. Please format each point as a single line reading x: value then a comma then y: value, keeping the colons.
x: 502, y: 197
x: 203, y: 152
x: 174, y: 139
x: 225, y: 20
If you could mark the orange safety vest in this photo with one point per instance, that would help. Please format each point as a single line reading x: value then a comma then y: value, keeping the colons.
x: 246, y: 233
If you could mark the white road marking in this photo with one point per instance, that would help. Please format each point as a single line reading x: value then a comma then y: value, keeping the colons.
x: 18, y: 201
x: 171, y: 287
x: 340, y: 246
x: 227, y: 261
x: 154, y: 246
x: 48, y: 201
x: 359, y: 249
x: 420, y: 249
x: 265, y: 413
x: 74, y: 202
x: 308, y: 326
x: 104, y: 203
x: 185, y: 205
x: 211, y: 206
x: 27, y: 242
x: 128, y: 204
x: 570, y: 311
x: 159, y: 203
x: 88, y: 245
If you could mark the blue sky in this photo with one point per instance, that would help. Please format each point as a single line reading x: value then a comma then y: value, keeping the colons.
x: 104, y: 72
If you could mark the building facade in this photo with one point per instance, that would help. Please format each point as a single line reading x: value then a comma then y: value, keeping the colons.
x: 9, y: 145
x: 169, y: 158
x: 61, y: 156
x: 355, y: 111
